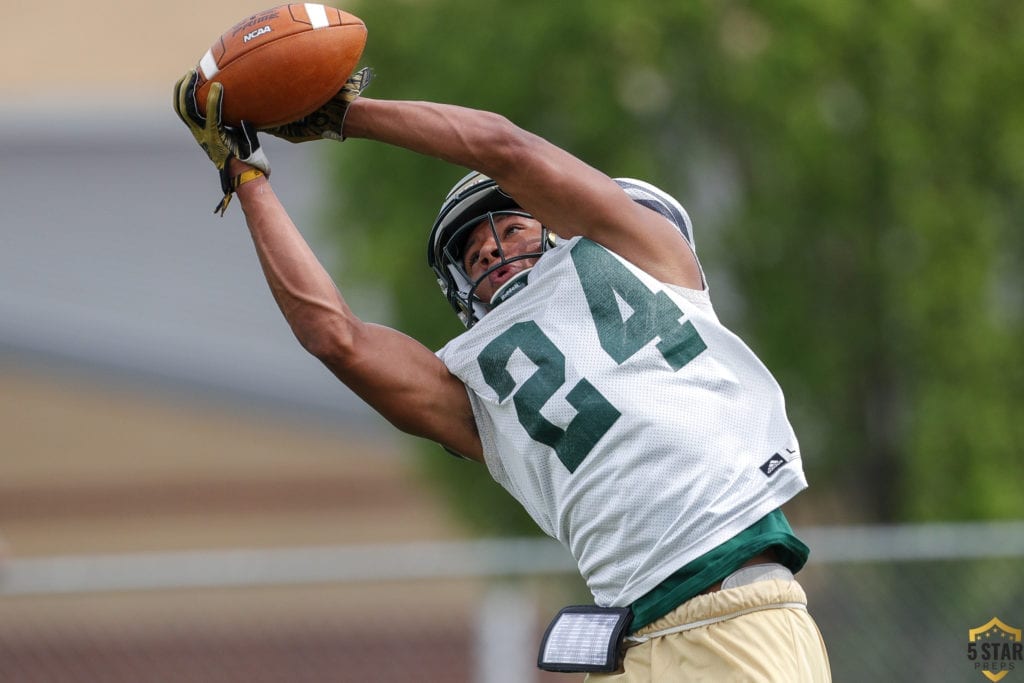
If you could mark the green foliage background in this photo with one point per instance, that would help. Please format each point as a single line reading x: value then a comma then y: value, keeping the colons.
x: 854, y: 172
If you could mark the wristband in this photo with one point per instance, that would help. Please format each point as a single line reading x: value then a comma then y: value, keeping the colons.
x: 245, y: 176
x: 230, y: 186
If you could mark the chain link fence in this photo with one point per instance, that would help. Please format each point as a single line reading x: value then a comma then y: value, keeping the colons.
x: 894, y: 603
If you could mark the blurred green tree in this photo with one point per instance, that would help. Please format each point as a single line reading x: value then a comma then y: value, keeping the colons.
x: 854, y: 172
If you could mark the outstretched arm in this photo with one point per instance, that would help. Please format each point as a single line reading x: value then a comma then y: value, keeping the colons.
x: 396, y: 375
x: 566, y: 194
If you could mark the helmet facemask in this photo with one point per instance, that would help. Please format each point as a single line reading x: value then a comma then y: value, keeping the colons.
x: 474, y: 199
x: 464, y: 295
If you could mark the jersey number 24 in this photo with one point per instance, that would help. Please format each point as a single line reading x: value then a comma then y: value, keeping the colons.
x: 606, y: 282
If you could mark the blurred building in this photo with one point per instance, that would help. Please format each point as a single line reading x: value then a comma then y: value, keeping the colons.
x: 140, y: 348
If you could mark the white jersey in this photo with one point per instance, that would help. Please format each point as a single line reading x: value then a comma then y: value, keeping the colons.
x: 629, y: 423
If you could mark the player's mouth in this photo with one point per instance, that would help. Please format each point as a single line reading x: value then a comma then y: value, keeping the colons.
x: 501, y: 275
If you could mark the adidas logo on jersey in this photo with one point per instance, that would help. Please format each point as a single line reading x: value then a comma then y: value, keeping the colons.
x: 773, y: 464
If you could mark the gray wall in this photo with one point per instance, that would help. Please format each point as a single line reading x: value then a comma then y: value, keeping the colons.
x: 113, y: 263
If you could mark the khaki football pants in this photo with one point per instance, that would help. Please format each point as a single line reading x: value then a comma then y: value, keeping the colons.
x: 750, y: 639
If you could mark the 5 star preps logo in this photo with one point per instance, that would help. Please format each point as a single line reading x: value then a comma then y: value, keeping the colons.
x: 995, y: 649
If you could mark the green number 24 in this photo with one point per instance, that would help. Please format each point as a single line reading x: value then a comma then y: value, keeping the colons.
x: 607, y: 285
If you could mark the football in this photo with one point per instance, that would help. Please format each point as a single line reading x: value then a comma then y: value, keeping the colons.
x: 281, y: 64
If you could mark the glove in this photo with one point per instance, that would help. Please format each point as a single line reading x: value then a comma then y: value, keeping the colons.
x: 221, y: 143
x: 329, y: 120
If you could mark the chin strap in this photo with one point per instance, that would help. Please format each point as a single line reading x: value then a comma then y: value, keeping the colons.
x: 510, y: 287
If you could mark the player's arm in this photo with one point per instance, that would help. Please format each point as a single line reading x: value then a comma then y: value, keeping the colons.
x: 395, y: 374
x: 566, y: 194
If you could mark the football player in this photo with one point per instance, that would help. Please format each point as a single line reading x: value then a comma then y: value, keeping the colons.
x: 594, y: 381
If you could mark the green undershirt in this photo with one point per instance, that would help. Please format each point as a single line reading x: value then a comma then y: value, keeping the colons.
x: 772, y: 531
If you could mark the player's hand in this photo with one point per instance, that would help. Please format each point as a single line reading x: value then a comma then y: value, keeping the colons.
x: 220, y: 142
x: 329, y: 120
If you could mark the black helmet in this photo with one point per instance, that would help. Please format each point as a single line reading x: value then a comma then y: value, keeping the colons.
x: 473, y: 199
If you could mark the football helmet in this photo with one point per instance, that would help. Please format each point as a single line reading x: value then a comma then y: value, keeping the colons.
x: 476, y: 198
